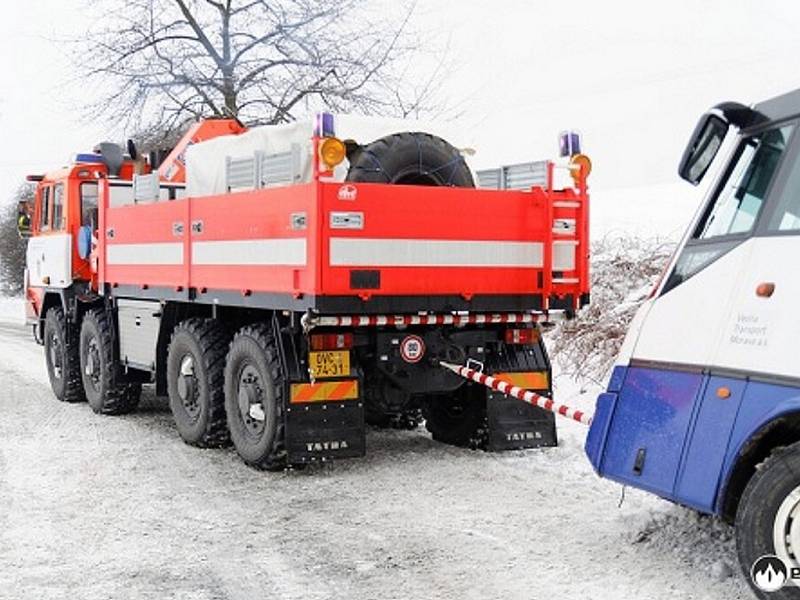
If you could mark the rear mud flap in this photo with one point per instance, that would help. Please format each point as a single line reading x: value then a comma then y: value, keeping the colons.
x: 319, y: 431
x: 514, y: 425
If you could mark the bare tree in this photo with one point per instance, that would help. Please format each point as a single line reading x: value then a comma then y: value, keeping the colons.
x: 162, y: 63
x: 12, y: 248
x: 624, y: 270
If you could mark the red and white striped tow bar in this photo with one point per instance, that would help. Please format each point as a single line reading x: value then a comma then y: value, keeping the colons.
x: 520, y: 394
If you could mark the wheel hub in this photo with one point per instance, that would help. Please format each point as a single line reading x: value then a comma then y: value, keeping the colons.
x: 251, y: 399
x: 92, y: 368
x: 55, y: 355
x: 188, y: 386
x: 786, y: 530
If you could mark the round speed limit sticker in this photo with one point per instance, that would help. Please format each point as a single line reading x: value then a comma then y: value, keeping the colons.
x: 412, y: 348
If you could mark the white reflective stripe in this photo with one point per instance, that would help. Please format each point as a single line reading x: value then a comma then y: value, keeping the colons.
x: 564, y: 255
x: 434, y: 253
x: 156, y: 253
x: 274, y: 251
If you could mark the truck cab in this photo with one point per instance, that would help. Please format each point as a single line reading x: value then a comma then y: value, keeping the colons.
x: 706, y: 389
x: 65, y: 202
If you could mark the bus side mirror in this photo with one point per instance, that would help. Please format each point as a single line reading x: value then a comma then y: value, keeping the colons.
x: 702, y: 147
x: 23, y: 219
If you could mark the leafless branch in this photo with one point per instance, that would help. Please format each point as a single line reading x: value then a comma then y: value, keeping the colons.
x: 163, y: 63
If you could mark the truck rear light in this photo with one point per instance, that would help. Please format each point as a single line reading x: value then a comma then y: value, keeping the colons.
x: 331, y: 341
x: 522, y: 336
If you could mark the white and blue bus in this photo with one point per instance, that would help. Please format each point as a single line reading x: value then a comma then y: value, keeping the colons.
x: 703, y: 406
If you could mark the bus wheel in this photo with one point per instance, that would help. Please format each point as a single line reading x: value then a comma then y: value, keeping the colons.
x: 460, y: 418
x: 106, y: 395
x: 254, y: 397
x: 768, y: 522
x: 62, y: 358
x: 196, y: 382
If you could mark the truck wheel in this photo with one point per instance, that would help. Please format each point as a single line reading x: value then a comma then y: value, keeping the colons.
x: 196, y: 382
x: 106, y: 395
x: 254, y: 397
x: 410, y: 159
x: 62, y: 358
x: 458, y: 419
x: 767, y: 517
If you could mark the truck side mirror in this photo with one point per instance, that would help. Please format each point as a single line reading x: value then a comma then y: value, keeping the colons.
x: 702, y: 147
x: 23, y: 219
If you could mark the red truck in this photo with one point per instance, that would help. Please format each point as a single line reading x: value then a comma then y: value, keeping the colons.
x: 285, y: 285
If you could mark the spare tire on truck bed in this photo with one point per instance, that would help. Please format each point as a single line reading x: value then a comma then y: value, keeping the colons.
x: 410, y: 159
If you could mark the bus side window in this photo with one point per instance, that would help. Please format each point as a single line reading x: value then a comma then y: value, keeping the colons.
x: 58, y: 207
x: 787, y: 209
x: 44, y: 209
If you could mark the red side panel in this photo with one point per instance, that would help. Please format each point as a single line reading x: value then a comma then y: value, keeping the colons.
x: 260, y: 241
x: 145, y: 244
x: 356, y: 240
x: 426, y: 240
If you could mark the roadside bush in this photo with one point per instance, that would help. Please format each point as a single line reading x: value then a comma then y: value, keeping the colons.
x: 12, y: 248
x: 624, y: 271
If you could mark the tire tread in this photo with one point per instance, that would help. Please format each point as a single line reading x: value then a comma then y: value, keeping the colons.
x: 213, y: 340
x: 275, y: 458
x: 118, y: 398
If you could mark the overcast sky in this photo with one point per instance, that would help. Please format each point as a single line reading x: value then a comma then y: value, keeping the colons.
x: 631, y: 76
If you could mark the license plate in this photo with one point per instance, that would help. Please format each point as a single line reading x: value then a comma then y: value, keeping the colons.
x: 331, y: 363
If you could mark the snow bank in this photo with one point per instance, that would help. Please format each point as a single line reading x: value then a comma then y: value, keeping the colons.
x: 624, y: 271
x: 12, y: 309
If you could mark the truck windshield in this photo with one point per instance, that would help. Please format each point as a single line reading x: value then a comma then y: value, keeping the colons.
x: 740, y: 198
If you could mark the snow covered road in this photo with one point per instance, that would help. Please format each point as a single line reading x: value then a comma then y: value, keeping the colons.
x: 98, y: 507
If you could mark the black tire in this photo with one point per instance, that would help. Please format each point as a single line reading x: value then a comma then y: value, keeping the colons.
x: 255, y: 387
x: 460, y: 418
x: 106, y: 394
x: 196, y: 382
x: 62, y: 357
x: 771, y: 485
x: 410, y: 159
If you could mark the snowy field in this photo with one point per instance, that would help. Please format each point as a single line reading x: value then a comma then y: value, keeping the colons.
x: 98, y: 507
x: 101, y: 507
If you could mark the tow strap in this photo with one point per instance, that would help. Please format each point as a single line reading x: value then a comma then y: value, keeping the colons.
x: 520, y: 394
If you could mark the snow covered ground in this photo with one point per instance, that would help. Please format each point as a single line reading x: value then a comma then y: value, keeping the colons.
x: 12, y: 310
x: 118, y: 507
